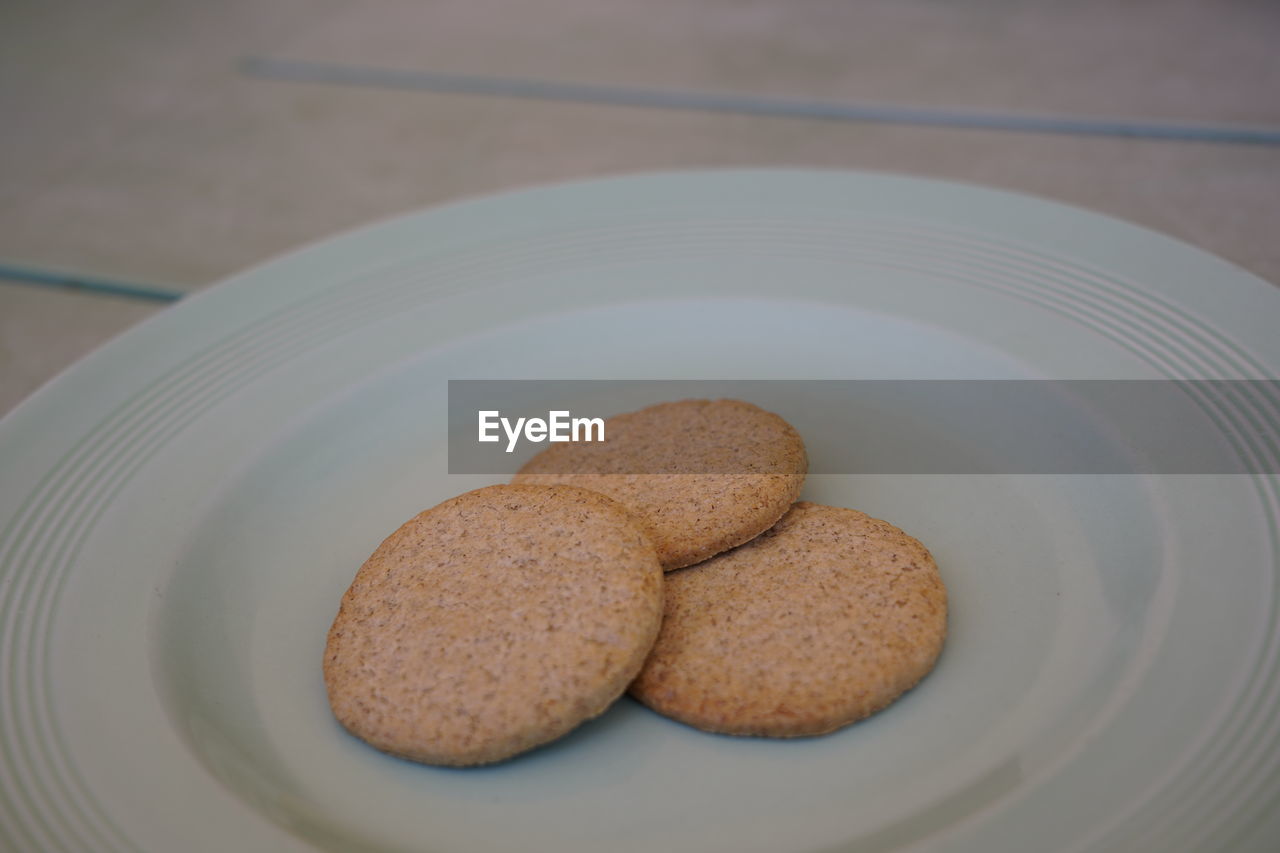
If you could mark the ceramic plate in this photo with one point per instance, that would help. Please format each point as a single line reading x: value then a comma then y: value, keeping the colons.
x: 182, y: 511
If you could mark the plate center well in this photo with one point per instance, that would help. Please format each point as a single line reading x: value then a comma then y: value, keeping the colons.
x: 1041, y: 628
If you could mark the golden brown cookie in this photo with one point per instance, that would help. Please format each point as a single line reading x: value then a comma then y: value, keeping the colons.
x: 701, y: 476
x: 823, y: 620
x: 492, y: 623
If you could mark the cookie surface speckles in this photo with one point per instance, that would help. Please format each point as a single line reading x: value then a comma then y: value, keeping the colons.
x: 492, y: 623
x: 701, y: 476
x: 823, y: 620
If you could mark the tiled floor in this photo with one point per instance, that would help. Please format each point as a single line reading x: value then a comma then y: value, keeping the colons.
x: 136, y: 146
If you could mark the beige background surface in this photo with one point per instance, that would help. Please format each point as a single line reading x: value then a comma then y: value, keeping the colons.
x: 135, y: 146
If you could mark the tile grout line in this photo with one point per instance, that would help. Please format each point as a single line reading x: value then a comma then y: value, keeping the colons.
x: 302, y: 71
x: 90, y: 284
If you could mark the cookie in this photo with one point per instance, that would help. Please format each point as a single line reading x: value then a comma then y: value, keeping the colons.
x: 492, y: 623
x: 701, y: 476
x: 825, y: 619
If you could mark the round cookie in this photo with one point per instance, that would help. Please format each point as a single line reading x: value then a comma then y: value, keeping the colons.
x: 492, y: 623
x: 823, y: 620
x: 701, y: 476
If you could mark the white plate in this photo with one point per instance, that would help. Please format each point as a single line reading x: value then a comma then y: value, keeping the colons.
x: 181, y: 512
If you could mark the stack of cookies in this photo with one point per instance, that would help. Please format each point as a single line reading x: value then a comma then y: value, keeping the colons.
x: 670, y: 561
